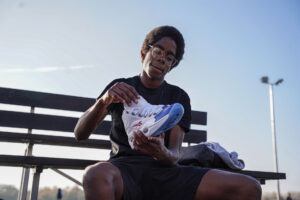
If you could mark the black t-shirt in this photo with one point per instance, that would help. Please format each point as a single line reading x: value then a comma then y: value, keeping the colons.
x: 164, y: 94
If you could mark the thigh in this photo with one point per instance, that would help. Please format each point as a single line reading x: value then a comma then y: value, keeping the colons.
x: 132, y: 175
x: 218, y: 184
x: 174, y: 182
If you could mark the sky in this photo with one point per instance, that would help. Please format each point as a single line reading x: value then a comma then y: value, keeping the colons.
x: 78, y: 47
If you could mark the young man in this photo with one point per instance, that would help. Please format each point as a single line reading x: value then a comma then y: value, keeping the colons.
x: 150, y: 171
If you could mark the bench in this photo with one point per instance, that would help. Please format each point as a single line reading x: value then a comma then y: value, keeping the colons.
x: 32, y: 120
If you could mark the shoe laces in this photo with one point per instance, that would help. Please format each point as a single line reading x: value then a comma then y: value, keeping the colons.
x: 146, y: 111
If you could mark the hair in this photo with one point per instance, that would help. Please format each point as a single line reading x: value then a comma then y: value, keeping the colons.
x: 165, y: 31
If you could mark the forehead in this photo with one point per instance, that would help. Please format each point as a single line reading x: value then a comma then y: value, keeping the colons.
x: 167, y: 44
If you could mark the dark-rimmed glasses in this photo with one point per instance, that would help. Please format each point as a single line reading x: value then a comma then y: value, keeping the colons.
x: 157, y: 53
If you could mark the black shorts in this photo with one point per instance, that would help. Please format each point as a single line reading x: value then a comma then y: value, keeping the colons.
x: 146, y: 179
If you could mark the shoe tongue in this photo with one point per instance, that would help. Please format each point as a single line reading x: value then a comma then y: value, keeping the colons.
x: 141, y: 103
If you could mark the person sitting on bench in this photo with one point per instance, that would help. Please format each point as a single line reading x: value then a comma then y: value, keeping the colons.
x: 150, y: 169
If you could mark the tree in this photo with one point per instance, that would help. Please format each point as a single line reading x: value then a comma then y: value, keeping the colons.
x: 48, y: 193
x: 75, y: 193
x: 8, y: 192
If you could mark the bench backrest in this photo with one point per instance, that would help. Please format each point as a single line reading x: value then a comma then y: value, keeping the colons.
x: 32, y: 120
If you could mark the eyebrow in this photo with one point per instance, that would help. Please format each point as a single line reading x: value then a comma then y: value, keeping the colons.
x: 162, y: 48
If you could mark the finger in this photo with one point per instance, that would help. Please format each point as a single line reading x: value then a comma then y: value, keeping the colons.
x: 114, y: 94
x: 138, y: 146
x: 135, y: 144
x: 128, y: 92
x: 122, y: 94
x: 143, y: 138
x: 125, y: 93
x: 137, y: 138
x: 116, y: 98
x: 154, y: 140
x: 162, y: 135
x: 134, y: 92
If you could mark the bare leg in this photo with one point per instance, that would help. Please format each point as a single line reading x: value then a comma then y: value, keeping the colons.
x: 222, y: 185
x: 102, y: 181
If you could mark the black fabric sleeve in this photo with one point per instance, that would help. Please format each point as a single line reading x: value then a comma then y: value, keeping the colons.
x: 186, y: 119
x: 109, y: 108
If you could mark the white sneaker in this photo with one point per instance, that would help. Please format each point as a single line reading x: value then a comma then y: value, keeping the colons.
x: 151, y: 120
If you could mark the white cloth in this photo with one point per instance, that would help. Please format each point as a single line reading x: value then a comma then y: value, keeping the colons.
x: 230, y: 159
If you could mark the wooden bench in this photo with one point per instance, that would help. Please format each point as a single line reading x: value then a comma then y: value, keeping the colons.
x: 32, y: 120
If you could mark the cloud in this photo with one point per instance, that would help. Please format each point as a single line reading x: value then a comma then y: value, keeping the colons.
x: 44, y: 69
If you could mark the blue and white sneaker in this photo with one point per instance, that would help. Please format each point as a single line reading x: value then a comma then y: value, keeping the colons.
x: 151, y: 120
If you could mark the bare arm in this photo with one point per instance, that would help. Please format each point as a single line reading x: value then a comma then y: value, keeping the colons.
x: 88, y: 122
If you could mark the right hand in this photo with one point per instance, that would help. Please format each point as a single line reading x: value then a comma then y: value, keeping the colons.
x: 121, y: 92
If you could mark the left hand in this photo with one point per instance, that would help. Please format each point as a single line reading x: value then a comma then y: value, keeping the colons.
x: 153, y: 146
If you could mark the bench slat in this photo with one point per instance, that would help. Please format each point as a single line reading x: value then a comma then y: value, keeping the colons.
x: 194, y: 136
x: 199, y: 117
x: 44, y: 100
x: 67, y: 124
x: 63, y: 102
x: 45, y: 162
x: 260, y: 174
x: 63, y: 163
x: 45, y: 122
x: 53, y: 140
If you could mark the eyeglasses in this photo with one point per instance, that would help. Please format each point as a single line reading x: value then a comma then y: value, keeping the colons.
x: 157, y: 52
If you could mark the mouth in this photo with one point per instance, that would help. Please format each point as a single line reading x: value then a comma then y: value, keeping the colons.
x: 157, y: 68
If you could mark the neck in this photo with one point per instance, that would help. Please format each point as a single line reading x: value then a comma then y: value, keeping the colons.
x: 150, y: 82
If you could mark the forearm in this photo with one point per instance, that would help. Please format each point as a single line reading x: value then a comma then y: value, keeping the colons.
x: 89, y: 121
x: 169, y: 157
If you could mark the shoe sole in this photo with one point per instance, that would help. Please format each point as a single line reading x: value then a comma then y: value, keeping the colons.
x: 175, y: 115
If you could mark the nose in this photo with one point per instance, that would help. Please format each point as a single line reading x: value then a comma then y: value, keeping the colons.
x: 162, y: 58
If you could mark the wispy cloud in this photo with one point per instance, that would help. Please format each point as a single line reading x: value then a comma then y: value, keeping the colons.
x: 43, y: 69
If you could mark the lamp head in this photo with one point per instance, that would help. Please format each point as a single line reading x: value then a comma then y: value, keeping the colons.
x: 279, y: 81
x: 265, y: 79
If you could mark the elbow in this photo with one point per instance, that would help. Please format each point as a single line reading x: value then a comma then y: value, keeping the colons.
x: 170, y: 160
x: 175, y: 160
x: 79, y: 133
x: 77, y: 136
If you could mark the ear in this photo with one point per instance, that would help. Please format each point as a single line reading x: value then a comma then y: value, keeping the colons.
x: 142, y: 56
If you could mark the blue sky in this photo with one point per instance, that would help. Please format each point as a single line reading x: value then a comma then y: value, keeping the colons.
x: 77, y: 47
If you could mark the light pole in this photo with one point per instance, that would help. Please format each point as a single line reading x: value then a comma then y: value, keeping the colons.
x: 265, y: 80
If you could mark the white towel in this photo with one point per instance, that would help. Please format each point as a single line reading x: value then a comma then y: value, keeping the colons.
x: 231, y: 159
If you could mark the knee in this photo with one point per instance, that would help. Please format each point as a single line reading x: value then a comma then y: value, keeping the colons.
x: 100, y: 174
x: 251, y: 188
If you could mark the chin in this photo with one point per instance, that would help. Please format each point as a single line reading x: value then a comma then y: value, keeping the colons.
x: 152, y: 75
x: 156, y: 78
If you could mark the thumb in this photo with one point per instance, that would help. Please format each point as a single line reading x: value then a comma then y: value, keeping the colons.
x: 162, y: 135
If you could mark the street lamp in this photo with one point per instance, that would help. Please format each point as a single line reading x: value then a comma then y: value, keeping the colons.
x: 265, y: 80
